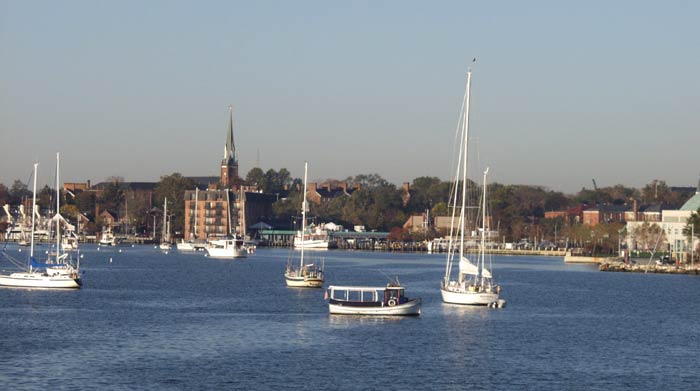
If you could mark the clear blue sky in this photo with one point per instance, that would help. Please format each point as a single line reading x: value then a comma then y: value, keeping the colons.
x: 563, y: 91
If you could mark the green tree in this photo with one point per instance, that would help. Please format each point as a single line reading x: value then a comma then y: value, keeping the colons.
x: 4, y: 194
x: 693, y: 226
x: 69, y: 212
x: 45, y: 198
x: 85, y: 201
x: 173, y: 187
x: 647, y: 236
x: 112, y: 195
x: 255, y: 177
x: 18, y: 192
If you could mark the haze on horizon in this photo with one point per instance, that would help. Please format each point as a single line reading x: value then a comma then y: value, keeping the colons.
x: 563, y: 92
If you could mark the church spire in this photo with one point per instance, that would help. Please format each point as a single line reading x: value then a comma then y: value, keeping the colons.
x: 230, y: 148
x: 229, y: 166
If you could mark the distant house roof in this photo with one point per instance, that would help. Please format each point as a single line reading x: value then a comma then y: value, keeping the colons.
x: 325, y: 193
x: 260, y: 197
x: 142, y: 186
x: 609, y: 208
x: 203, y: 181
x: 693, y: 203
x: 145, y: 186
x: 652, y: 208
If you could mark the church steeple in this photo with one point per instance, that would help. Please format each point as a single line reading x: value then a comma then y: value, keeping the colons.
x: 230, y: 147
x: 229, y: 165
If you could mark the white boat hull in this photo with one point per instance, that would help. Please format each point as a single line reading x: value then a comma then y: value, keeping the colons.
x: 39, y: 280
x: 185, y: 246
x: 412, y: 307
x: 311, y: 244
x: 468, y: 298
x: 303, y: 282
x: 227, y: 253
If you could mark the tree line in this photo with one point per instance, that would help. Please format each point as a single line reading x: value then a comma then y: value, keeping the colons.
x: 517, y: 211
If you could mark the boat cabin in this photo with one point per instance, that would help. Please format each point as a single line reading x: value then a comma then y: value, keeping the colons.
x: 362, y: 296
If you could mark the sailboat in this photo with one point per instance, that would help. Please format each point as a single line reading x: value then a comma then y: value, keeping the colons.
x: 474, y: 284
x: 165, y: 238
x: 58, y: 274
x: 306, y: 275
x: 190, y: 244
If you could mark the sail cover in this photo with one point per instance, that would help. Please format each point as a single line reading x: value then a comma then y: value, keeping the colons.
x: 466, y: 267
x: 486, y: 273
x: 37, y: 265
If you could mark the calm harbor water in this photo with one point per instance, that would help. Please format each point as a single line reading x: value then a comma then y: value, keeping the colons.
x: 153, y: 321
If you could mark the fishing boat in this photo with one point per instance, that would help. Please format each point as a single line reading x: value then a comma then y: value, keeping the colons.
x: 226, y: 248
x: 55, y: 273
x: 306, y: 275
x: 365, y: 300
x: 474, y: 284
x: 108, y: 238
x: 165, y: 237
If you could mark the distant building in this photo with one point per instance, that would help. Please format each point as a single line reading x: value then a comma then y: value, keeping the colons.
x: 672, y: 223
x: 572, y: 215
x: 326, y: 191
x: 605, y: 214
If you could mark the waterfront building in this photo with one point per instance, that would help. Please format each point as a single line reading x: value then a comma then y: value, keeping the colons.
x: 605, y: 214
x: 671, y: 223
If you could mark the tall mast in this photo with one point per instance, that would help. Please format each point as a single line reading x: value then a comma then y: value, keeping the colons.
x: 483, y: 230
x: 165, y: 221
x: 228, y: 210
x: 303, y: 216
x: 58, y: 210
x: 196, y: 198
x: 465, y: 145
x: 31, y: 249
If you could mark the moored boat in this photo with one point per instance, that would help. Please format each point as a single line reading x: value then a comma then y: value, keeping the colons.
x: 474, y: 284
x: 364, y: 300
x: 59, y: 273
x: 305, y: 275
x: 228, y: 248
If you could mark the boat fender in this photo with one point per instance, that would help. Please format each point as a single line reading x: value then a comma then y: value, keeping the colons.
x: 391, y: 302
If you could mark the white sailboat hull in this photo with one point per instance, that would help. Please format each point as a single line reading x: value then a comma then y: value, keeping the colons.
x: 412, y: 307
x: 310, y: 244
x: 303, y: 282
x: 466, y: 297
x: 39, y: 280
